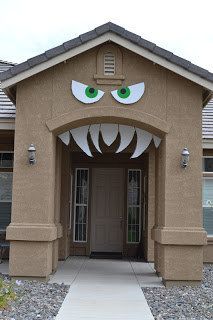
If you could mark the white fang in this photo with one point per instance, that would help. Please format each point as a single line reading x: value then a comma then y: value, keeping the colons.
x: 126, y: 133
x: 157, y: 141
x: 65, y: 137
x: 94, y: 133
x: 80, y: 137
x: 109, y: 132
x: 143, y: 140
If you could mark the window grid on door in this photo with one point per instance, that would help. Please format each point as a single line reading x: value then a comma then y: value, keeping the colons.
x: 81, y: 204
x: 133, y: 206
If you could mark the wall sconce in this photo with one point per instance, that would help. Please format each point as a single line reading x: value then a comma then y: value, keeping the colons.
x: 184, y: 158
x: 32, y: 154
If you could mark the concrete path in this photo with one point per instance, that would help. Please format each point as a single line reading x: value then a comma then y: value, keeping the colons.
x: 105, y: 289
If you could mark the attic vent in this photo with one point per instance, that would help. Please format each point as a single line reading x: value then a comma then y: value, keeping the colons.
x: 109, y: 64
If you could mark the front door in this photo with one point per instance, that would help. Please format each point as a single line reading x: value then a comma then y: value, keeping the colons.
x: 107, y: 210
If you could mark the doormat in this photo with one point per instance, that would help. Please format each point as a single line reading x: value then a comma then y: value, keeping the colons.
x: 106, y: 255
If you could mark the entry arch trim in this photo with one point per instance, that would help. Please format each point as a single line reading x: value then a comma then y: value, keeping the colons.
x: 92, y: 115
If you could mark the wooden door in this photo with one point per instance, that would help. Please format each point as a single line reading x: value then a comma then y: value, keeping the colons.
x: 107, y: 210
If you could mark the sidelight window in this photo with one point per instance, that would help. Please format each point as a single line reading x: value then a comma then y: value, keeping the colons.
x: 81, y: 204
x: 134, y: 206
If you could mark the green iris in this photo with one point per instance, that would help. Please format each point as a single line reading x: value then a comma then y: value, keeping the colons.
x: 91, y: 92
x: 124, y: 92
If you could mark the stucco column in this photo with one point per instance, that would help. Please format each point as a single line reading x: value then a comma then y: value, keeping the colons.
x: 34, y: 224
x: 32, y: 229
x: 178, y: 233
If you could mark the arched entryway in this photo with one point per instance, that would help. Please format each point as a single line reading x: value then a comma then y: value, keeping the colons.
x: 115, y: 183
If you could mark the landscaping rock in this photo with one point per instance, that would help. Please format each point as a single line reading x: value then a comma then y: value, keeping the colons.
x: 183, y: 303
x: 35, y: 300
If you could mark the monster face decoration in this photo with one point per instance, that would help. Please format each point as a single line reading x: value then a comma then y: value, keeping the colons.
x: 84, y: 93
x: 124, y: 95
x: 109, y: 131
x: 129, y: 95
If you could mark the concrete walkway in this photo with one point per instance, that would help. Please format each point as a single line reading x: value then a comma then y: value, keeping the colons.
x: 105, y: 289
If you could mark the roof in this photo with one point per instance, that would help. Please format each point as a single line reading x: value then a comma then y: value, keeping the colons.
x: 7, y: 108
x: 51, y: 54
x: 208, y: 121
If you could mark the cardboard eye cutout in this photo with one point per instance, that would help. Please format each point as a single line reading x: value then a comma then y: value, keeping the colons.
x: 84, y: 93
x: 129, y: 95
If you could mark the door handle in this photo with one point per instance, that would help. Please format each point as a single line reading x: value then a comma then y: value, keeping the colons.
x: 121, y: 222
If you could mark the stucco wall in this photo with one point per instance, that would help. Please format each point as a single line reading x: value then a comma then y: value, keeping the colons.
x: 169, y: 101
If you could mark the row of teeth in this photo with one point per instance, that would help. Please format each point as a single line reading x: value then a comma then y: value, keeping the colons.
x: 109, y: 133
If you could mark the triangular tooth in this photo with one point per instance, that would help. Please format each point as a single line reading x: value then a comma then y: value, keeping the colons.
x: 127, y: 134
x: 157, y: 141
x: 143, y: 140
x: 80, y: 137
x: 94, y: 133
x: 65, y: 137
x: 109, y: 132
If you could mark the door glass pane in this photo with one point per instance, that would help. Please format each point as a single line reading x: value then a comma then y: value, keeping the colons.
x: 81, y: 205
x: 134, y: 205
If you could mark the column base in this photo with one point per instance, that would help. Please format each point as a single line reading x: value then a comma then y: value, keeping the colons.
x: 41, y: 279
x: 30, y: 259
x: 180, y: 283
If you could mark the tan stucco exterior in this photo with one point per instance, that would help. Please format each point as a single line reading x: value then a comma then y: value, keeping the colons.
x: 171, y: 108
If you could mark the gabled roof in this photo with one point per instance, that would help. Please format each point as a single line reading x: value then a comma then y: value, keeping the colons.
x: 114, y: 33
x: 7, y: 108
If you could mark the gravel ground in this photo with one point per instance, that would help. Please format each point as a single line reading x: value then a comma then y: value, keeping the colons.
x: 35, y: 300
x: 178, y: 303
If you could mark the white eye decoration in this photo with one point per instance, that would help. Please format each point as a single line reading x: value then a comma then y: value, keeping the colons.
x: 84, y: 93
x: 128, y: 95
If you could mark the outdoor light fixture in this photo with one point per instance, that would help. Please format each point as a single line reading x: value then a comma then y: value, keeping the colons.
x: 32, y: 154
x: 184, y: 158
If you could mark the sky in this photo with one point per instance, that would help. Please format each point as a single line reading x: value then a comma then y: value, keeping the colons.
x: 30, y: 27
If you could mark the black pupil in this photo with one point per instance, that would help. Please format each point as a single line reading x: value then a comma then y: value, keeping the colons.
x: 123, y: 90
x: 91, y: 90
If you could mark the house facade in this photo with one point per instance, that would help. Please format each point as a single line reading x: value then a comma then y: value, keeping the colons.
x: 101, y: 125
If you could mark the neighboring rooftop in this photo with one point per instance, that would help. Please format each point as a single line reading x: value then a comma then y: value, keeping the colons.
x: 208, y: 121
x: 7, y: 108
x: 101, y: 30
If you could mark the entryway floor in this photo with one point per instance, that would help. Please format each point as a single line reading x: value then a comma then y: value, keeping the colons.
x: 102, y: 289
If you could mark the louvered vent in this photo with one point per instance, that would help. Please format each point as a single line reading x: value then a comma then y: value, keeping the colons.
x: 109, y: 64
